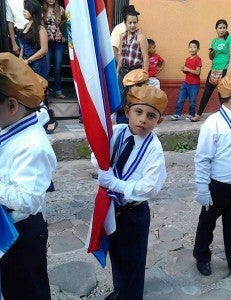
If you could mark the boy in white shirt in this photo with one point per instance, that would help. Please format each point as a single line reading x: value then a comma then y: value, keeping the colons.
x: 139, y: 179
x: 27, y: 162
x: 213, y: 179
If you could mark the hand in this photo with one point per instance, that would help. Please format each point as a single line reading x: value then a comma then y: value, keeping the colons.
x: 108, y: 180
x: 203, y: 195
x: 105, y: 178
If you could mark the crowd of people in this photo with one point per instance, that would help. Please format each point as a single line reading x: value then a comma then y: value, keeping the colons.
x: 137, y: 170
x: 37, y: 35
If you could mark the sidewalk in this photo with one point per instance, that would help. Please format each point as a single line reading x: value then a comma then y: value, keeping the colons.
x: 69, y: 139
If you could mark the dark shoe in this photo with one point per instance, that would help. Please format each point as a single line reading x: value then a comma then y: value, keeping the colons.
x: 113, y: 296
x: 51, y: 130
x: 204, y: 268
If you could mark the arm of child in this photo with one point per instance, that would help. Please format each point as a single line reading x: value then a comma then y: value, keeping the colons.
x: 194, y: 72
x: 160, y: 66
x: 146, y: 187
x: 29, y: 178
x: 206, y: 148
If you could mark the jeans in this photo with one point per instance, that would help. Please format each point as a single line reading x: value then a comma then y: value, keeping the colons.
x: 187, y: 91
x: 208, y: 90
x: 55, y: 54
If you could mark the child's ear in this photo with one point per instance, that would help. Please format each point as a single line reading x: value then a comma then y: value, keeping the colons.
x: 126, y: 110
x: 160, y: 120
x: 13, y: 105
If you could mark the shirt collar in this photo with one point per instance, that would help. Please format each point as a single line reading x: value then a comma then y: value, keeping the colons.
x: 138, y: 139
x: 17, y: 127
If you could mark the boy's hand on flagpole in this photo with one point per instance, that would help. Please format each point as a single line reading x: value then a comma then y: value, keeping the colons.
x: 108, y: 180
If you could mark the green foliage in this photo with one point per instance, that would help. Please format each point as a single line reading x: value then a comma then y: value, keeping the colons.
x: 182, y: 147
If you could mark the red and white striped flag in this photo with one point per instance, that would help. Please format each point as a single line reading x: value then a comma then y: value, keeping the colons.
x: 95, y: 78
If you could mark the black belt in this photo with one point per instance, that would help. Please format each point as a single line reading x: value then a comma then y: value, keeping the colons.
x: 129, y: 206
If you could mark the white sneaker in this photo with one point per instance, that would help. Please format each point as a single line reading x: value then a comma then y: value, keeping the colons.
x: 175, y: 117
x: 188, y: 118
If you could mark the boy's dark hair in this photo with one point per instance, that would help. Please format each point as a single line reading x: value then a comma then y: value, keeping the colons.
x: 151, y: 42
x: 196, y: 42
x: 2, y: 98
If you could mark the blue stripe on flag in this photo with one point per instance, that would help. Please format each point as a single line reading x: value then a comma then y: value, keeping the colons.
x: 101, y: 254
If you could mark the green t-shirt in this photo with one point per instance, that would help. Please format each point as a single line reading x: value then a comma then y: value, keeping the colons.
x: 222, y: 53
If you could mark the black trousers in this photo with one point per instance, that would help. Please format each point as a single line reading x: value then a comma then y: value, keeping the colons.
x: 24, y: 266
x: 208, y: 90
x: 221, y: 196
x: 128, y: 250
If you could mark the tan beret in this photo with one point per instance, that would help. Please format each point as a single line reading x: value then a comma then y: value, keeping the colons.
x: 148, y: 95
x: 19, y: 81
x: 224, y: 86
x: 134, y: 77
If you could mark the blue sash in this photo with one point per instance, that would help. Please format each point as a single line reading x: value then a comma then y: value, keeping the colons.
x: 225, y: 116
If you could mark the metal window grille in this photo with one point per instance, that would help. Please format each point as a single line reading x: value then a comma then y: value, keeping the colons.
x: 118, y: 5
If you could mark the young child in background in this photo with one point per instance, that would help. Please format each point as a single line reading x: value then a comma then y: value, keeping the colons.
x: 134, y: 182
x: 155, y: 64
x: 27, y: 162
x: 213, y: 179
x: 191, y: 84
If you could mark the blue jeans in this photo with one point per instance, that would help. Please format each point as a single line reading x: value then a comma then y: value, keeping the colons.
x: 55, y: 54
x: 187, y: 91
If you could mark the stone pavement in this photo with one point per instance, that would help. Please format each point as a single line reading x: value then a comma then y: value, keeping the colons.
x: 170, y: 271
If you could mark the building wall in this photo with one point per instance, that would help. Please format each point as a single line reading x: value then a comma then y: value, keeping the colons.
x: 172, y: 24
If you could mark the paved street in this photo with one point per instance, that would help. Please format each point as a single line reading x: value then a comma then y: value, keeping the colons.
x: 170, y: 272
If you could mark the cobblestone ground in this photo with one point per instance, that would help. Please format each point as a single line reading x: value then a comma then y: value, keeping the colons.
x: 170, y: 271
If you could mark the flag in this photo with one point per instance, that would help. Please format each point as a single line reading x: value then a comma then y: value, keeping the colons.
x: 8, y: 233
x: 95, y: 78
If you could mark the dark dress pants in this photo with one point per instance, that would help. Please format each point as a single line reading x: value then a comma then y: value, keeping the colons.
x: 24, y: 266
x: 221, y: 196
x: 128, y: 250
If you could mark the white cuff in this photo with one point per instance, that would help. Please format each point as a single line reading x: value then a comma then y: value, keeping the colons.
x: 118, y: 186
x: 202, y: 188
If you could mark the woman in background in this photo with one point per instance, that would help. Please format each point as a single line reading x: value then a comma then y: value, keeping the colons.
x: 219, y: 53
x: 54, y: 20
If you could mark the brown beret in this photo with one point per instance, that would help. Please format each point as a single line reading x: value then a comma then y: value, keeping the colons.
x: 19, y: 81
x: 148, y: 95
x: 224, y: 86
x: 134, y: 77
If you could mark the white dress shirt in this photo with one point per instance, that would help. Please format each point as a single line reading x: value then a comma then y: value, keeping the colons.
x: 14, y: 13
x: 149, y: 176
x: 213, y: 154
x: 27, y: 162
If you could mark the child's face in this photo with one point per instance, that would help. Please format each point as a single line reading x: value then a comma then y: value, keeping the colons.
x: 193, y: 49
x: 142, y: 118
x: 152, y: 49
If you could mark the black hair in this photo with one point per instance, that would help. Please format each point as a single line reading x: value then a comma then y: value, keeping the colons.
x: 128, y: 8
x: 3, y: 98
x: 196, y: 42
x: 222, y: 21
x: 34, y: 8
x: 130, y: 13
x: 151, y: 42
